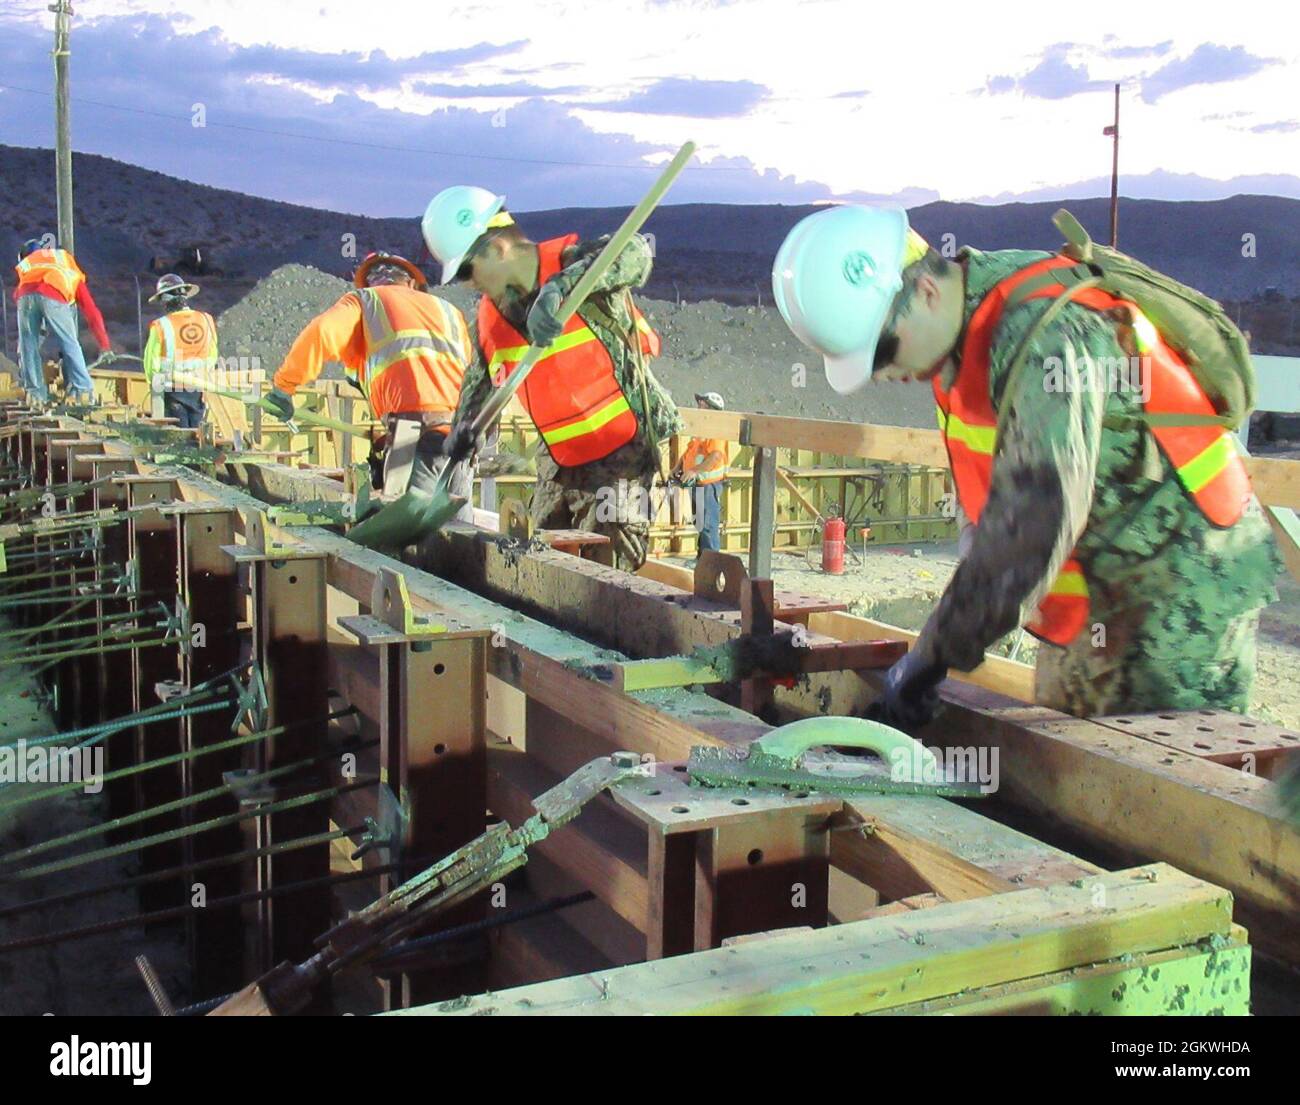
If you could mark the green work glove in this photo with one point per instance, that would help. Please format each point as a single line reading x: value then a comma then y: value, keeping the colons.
x: 282, y: 403
x: 543, y: 325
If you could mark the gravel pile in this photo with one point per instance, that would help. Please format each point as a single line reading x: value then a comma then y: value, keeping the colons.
x: 268, y: 319
x: 747, y: 354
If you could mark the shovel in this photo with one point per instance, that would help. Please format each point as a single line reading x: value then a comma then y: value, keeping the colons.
x: 416, y: 515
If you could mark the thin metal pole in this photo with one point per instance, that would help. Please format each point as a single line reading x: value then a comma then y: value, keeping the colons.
x: 1114, y: 176
x: 62, y: 10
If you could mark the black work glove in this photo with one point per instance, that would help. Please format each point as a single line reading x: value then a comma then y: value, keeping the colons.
x: 282, y: 403
x: 911, y: 695
x: 460, y: 441
x: 543, y: 325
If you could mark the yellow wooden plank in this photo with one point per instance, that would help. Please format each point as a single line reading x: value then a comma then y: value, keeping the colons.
x: 873, y: 965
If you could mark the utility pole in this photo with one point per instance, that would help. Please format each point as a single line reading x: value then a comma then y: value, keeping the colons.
x: 1113, y: 132
x: 63, y: 121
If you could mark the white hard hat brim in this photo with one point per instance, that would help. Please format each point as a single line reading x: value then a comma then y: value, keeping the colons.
x: 179, y: 289
x: 850, y: 373
x: 452, y: 266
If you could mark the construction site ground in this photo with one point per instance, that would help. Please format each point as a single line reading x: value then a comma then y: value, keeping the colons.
x: 901, y: 585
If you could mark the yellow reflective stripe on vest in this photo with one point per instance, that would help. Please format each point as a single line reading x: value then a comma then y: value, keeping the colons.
x: 978, y: 439
x: 1207, y: 464
x: 1070, y: 583
x: 588, y: 425
x: 561, y: 344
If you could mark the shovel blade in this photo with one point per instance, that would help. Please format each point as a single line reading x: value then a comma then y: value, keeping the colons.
x: 408, y: 520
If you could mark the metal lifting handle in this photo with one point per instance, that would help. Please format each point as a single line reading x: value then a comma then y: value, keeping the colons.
x: 790, y: 742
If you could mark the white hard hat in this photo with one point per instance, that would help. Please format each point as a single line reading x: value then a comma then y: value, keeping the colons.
x: 454, y: 220
x: 834, y: 279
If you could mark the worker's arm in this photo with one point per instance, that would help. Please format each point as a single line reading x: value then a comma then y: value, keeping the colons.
x: 475, y: 388
x: 1041, y: 488
x: 93, y: 318
x: 334, y: 335
x: 631, y: 268
x: 152, y: 359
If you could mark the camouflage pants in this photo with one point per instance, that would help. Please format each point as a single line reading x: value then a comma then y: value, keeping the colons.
x: 608, y: 496
x: 1203, y: 671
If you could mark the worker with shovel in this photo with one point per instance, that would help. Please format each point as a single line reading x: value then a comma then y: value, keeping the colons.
x: 592, y: 396
x: 703, y: 469
x: 407, y: 351
x: 181, y: 351
x: 1090, y: 450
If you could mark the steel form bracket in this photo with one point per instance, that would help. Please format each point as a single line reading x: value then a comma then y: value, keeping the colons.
x: 393, y: 620
x: 251, y: 700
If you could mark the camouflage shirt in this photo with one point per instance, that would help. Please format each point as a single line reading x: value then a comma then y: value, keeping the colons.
x: 1172, y: 597
x: 608, y: 312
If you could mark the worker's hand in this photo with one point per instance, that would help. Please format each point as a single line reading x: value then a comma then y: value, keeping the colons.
x: 543, y: 326
x: 282, y: 403
x: 688, y: 479
x: 911, y: 695
x: 460, y: 441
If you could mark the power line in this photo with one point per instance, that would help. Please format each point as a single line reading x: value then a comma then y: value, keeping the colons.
x: 394, y: 149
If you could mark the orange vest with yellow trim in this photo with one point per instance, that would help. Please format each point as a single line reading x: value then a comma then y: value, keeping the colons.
x: 1203, y: 456
x: 417, y: 349
x: 572, y: 394
x: 56, y: 268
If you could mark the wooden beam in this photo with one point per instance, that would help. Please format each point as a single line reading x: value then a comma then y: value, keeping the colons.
x: 875, y: 965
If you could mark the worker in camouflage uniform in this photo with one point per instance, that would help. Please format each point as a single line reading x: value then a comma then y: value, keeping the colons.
x: 599, y: 409
x: 1136, y: 552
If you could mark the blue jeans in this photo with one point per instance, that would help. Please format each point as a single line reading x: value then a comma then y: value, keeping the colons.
x: 186, y: 407
x: 708, y: 516
x: 61, y: 319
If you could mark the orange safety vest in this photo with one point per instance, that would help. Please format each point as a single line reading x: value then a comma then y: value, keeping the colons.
x: 696, y: 450
x: 417, y: 349
x: 1203, y: 456
x: 54, y: 267
x: 187, y: 342
x: 572, y: 394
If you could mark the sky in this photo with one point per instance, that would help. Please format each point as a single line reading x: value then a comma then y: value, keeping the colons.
x: 373, y: 107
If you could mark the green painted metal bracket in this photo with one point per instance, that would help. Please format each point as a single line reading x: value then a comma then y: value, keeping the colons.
x: 780, y: 759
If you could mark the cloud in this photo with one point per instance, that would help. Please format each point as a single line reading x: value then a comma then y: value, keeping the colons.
x: 689, y: 96
x: 514, y: 90
x: 1282, y: 126
x: 1055, y: 77
x: 1158, y: 185
x: 374, y: 69
x: 1159, y: 49
x: 344, y: 153
x: 1207, y: 64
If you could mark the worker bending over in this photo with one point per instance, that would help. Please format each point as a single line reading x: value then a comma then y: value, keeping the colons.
x: 407, y: 352
x: 595, y: 403
x: 1130, y: 545
x: 180, y: 353
x: 703, y: 468
x: 50, y: 282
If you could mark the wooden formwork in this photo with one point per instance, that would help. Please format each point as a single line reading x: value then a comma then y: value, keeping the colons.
x: 991, y: 918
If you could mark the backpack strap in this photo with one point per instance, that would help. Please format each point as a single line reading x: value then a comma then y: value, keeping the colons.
x: 1078, y: 244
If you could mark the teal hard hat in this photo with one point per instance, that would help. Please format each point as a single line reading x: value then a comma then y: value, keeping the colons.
x: 455, y: 219
x: 834, y: 279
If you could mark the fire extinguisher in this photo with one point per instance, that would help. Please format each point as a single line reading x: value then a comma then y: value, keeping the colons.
x: 833, y: 546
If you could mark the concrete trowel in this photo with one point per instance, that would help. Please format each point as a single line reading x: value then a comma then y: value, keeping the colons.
x: 416, y: 515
